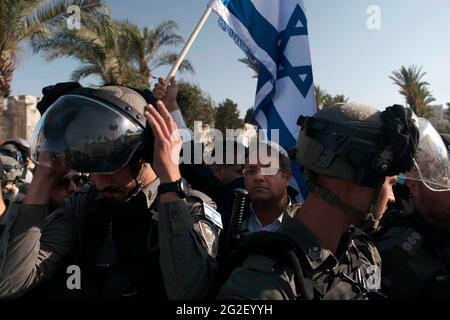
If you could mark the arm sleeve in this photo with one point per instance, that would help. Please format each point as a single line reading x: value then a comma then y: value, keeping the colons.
x: 188, y: 268
x: 33, y: 246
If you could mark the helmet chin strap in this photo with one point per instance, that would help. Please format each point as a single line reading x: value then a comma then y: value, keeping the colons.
x: 365, y: 220
x: 370, y: 223
x: 138, y: 180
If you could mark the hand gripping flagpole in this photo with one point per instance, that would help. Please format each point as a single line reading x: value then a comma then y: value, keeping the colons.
x: 188, y: 44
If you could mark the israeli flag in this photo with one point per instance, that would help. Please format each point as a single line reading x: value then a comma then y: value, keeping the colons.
x: 275, y: 33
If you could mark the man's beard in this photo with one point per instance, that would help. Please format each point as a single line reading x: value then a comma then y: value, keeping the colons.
x: 115, y: 195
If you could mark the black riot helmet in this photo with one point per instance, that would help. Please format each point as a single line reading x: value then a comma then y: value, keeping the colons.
x: 21, y: 144
x: 93, y: 130
x: 358, y: 143
x: 13, y: 166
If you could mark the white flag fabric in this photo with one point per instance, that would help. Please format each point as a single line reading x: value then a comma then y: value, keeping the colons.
x: 275, y: 33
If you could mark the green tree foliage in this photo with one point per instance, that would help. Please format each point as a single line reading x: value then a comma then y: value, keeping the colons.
x: 227, y: 116
x: 416, y: 91
x: 195, y: 104
x: 118, y: 52
x: 249, y: 116
x: 22, y: 20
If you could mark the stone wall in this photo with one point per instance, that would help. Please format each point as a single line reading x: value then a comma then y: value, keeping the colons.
x: 438, y: 117
x: 19, y: 118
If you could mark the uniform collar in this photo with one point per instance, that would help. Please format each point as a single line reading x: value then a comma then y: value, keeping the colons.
x: 150, y: 192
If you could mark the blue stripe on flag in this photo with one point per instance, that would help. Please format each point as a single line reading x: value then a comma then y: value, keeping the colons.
x: 272, y: 42
x: 286, y: 140
x: 261, y: 30
x: 263, y: 77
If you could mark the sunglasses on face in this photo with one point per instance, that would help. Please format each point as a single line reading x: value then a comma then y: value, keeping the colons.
x: 64, y: 182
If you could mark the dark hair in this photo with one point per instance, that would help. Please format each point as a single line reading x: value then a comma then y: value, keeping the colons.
x: 283, y: 158
x: 228, y: 146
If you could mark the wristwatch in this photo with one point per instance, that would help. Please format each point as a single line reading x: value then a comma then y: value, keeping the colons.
x: 179, y: 186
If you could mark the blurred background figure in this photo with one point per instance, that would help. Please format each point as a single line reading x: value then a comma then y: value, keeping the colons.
x: 13, y: 173
x: 66, y: 186
x: 415, y: 246
x: 23, y: 147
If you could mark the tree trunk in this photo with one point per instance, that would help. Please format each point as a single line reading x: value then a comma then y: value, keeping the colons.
x: 6, y: 74
x: 2, y: 105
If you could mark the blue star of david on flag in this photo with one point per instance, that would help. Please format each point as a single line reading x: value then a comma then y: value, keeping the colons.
x: 275, y: 33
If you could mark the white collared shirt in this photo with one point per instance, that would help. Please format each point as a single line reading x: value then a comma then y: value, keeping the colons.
x: 254, y: 225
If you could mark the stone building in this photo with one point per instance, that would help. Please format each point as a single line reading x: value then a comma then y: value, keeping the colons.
x: 439, y: 118
x: 19, y: 118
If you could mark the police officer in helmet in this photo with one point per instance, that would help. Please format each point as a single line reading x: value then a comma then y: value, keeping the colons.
x: 415, y: 247
x: 13, y: 173
x: 23, y: 147
x: 109, y: 229
x: 349, y: 154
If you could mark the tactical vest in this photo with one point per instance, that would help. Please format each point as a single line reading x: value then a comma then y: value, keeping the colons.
x: 117, y: 252
x: 425, y: 251
x: 308, y: 284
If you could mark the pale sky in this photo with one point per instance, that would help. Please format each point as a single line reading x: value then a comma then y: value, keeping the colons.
x: 347, y: 57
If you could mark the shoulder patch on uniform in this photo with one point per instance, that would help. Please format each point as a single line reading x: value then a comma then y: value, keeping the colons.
x: 410, y: 241
x: 212, y: 215
x: 210, y: 236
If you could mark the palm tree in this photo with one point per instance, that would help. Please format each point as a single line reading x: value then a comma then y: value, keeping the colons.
x: 96, y: 45
x: 252, y: 64
x: 321, y: 96
x: 118, y: 52
x: 324, y: 99
x: 144, y: 47
x: 334, y: 100
x: 22, y: 20
x: 413, y: 88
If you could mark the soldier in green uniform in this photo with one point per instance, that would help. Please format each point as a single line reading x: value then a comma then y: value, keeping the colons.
x: 108, y: 230
x: 349, y: 154
x: 12, y: 174
x: 415, y: 247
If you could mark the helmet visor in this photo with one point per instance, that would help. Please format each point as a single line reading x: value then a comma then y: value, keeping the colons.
x: 431, y: 163
x: 86, y: 135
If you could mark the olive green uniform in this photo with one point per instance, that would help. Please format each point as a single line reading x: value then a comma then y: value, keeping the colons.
x: 181, y: 273
x: 350, y: 274
x: 116, y: 246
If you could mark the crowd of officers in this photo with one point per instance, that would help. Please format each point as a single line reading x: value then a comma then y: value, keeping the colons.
x: 101, y: 188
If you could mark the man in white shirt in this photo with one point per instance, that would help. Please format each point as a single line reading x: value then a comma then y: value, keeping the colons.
x: 267, y: 181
